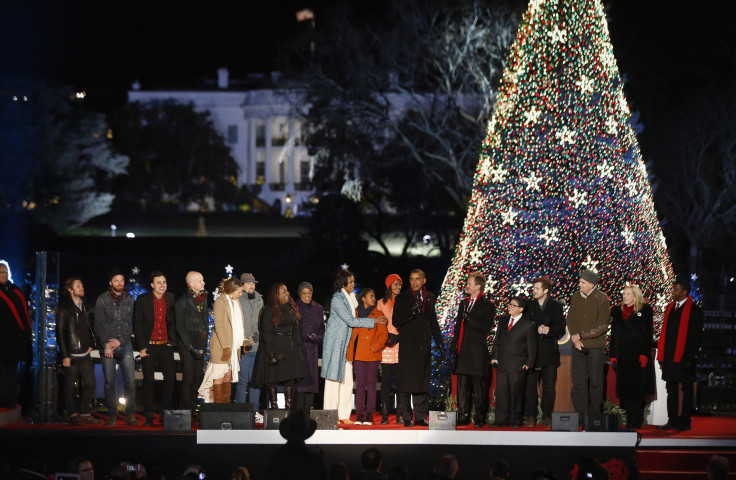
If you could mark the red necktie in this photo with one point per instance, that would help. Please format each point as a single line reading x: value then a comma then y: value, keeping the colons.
x: 511, y: 324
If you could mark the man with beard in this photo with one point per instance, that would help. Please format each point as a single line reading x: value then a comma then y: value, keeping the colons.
x: 415, y: 318
x: 15, y: 337
x: 153, y: 323
x: 114, y: 327
x: 251, y: 302
x: 76, y: 338
x: 192, y: 327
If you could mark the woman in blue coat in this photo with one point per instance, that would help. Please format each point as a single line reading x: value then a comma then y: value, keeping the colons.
x: 336, y: 369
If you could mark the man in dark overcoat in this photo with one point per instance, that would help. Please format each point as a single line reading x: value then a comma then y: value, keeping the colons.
x: 546, y: 313
x: 470, y: 348
x: 677, y: 351
x: 416, y: 320
x: 514, y: 352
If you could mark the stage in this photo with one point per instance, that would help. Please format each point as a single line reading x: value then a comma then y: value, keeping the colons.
x: 657, y: 454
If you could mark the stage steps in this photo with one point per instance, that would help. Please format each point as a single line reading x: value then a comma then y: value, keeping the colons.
x: 679, y: 464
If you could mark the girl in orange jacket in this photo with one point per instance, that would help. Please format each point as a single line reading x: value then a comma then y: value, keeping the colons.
x: 364, y: 350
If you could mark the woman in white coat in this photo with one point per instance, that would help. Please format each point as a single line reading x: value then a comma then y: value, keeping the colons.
x: 336, y: 369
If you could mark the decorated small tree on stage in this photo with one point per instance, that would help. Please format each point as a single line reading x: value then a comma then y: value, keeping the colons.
x: 560, y: 184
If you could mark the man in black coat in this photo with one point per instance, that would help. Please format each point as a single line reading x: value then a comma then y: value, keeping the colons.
x: 546, y: 313
x: 470, y: 348
x: 192, y: 328
x: 75, y: 338
x: 514, y: 352
x: 416, y: 320
x: 677, y: 351
x: 15, y: 337
x: 153, y: 323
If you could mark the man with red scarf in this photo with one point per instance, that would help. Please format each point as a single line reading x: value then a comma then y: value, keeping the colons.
x: 416, y: 320
x: 15, y: 338
x: 677, y: 350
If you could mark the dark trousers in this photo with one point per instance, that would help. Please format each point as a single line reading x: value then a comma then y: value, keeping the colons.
x: 634, y: 412
x: 83, y: 369
x: 464, y: 385
x: 161, y: 356
x: 304, y: 401
x: 420, y: 406
x: 8, y: 384
x: 388, y: 373
x: 192, y: 374
x: 510, y: 396
x: 548, y: 377
x: 679, y: 414
x: 587, y: 380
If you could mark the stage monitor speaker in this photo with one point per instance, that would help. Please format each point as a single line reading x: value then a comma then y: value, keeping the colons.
x: 442, y: 420
x: 326, y: 419
x: 177, y: 420
x: 565, y: 421
x: 226, y: 416
x: 273, y: 418
x: 602, y: 422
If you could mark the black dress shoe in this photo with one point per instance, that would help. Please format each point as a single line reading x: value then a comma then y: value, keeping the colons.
x: 407, y: 423
x: 478, y: 424
x: 516, y: 425
x: 421, y: 423
x: 148, y: 422
x: 464, y: 422
x: 667, y: 426
x: 683, y: 427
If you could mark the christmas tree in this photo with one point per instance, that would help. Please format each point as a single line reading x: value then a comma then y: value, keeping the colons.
x: 560, y: 184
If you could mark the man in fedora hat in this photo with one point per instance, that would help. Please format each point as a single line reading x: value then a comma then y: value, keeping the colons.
x: 251, y: 303
x: 587, y: 321
x: 296, y: 460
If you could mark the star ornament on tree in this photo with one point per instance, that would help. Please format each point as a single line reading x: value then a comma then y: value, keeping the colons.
x: 229, y: 269
x: 491, y: 285
x: 585, y: 84
x: 590, y: 264
x: 508, y: 216
x: 476, y: 255
x: 531, y: 116
x: 532, y: 182
x: 521, y: 287
x: 605, y: 170
x: 135, y: 270
x: 628, y: 235
x: 550, y: 235
x: 578, y: 198
x: 498, y: 174
x: 566, y: 136
x: 557, y: 35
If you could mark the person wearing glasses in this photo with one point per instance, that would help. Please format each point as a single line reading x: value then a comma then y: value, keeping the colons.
x: 514, y: 354
x: 469, y: 348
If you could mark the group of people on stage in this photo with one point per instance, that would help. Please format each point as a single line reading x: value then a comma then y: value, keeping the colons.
x: 259, y: 343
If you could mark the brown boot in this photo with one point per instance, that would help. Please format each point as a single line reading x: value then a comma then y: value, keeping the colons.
x: 227, y: 392
x: 218, y: 393
x: 530, y: 421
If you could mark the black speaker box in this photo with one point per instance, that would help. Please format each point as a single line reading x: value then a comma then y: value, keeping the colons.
x: 272, y: 418
x: 442, y: 420
x: 177, y: 420
x: 326, y: 419
x: 565, y: 421
x: 602, y: 422
x: 226, y: 416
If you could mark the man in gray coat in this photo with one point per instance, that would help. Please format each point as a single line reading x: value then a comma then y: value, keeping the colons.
x: 252, y: 303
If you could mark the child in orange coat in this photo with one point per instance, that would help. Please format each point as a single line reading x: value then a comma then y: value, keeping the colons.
x: 364, y: 350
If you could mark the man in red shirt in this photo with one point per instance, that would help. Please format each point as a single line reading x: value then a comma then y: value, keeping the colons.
x: 153, y: 323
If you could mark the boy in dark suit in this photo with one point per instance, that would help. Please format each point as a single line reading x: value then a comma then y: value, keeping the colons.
x: 514, y: 353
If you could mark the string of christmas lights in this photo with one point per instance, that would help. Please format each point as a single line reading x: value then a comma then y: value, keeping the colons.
x: 560, y: 184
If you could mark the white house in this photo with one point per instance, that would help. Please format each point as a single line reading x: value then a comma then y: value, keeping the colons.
x: 263, y: 134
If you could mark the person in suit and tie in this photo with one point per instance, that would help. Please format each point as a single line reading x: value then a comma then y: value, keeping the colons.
x: 514, y: 353
x: 153, y: 324
x: 677, y: 352
x: 470, y: 348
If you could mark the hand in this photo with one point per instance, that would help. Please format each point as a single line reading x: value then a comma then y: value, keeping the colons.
x: 112, y: 344
x: 543, y: 329
x: 525, y: 368
x: 67, y: 362
x: 381, y: 320
x: 494, y: 362
x: 108, y: 353
x: 575, y: 338
x: 578, y: 344
x: 313, y: 337
x: 225, y: 355
x: 144, y: 353
x: 643, y: 360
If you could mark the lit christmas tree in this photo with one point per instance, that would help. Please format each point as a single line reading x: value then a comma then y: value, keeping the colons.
x: 560, y: 185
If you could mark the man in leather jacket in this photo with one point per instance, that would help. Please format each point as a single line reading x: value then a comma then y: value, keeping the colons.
x: 192, y: 328
x: 75, y: 338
